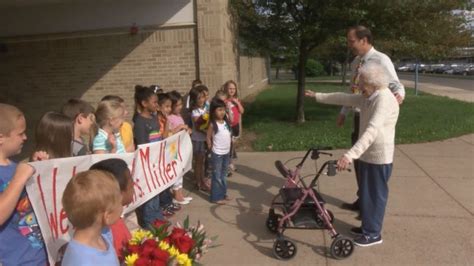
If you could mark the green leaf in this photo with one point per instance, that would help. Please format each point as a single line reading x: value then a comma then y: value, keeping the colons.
x: 186, y: 223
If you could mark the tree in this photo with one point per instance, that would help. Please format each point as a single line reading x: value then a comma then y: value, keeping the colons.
x: 422, y: 29
x: 298, y: 25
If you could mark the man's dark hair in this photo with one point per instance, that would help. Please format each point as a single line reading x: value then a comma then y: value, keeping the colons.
x: 116, y: 167
x: 362, y: 32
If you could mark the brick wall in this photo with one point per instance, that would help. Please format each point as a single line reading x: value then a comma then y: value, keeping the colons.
x: 40, y: 75
x: 218, y: 53
x: 253, y: 75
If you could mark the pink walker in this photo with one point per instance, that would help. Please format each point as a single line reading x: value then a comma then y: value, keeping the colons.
x: 302, y: 207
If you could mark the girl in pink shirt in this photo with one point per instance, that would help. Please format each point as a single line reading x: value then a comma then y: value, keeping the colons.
x: 176, y: 124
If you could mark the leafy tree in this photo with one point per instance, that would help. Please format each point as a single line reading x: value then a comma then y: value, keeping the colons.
x: 422, y: 29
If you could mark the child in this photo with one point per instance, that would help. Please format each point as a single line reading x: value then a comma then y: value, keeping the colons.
x: 146, y: 130
x: 198, y: 136
x: 110, y: 116
x: 54, y: 135
x: 92, y: 202
x: 119, y: 169
x: 81, y: 114
x: 236, y: 108
x: 164, y: 109
x: 21, y: 242
x: 187, y: 109
x: 126, y: 131
x: 219, y: 140
x: 176, y: 124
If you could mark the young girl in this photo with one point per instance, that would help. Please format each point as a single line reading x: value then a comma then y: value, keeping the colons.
x: 219, y: 140
x: 199, y: 117
x: 126, y: 130
x: 145, y: 130
x: 176, y: 124
x: 109, y: 116
x: 164, y: 109
x: 236, y: 108
x: 54, y: 135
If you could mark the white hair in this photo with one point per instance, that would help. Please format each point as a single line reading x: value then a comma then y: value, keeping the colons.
x: 374, y: 74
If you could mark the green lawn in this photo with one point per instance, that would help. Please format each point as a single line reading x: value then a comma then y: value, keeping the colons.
x: 422, y: 118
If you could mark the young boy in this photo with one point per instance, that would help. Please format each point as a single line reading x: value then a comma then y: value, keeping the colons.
x: 21, y: 242
x: 92, y: 202
x: 119, y: 169
x: 82, y: 115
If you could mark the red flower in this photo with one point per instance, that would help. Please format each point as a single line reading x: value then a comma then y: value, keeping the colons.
x: 158, y: 263
x: 150, y: 242
x: 167, y: 240
x: 184, y: 244
x: 142, y: 262
x: 158, y: 223
x: 133, y: 248
x: 161, y: 255
x: 147, y: 251
x: 177, y: 233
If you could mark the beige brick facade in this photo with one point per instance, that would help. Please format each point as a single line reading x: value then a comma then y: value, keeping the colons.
x: 39, y: 73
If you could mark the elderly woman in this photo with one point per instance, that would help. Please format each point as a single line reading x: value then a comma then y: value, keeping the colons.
x: 374, y: 149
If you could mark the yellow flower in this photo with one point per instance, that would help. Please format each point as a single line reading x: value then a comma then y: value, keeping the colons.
x: 173, y: 150
x: 164, y: 246
x: 130, y: 259
x: 173, y: 251
x: 139, y: 235
x: 183, y: 259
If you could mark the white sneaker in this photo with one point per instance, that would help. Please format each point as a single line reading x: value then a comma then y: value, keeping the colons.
x: 184, y: 202
x: 188, y: 198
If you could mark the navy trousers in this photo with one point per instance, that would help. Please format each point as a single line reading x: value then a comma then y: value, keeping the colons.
x: 373, y: 192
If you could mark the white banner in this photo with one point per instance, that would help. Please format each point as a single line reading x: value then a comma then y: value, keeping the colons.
x: 154, y: 168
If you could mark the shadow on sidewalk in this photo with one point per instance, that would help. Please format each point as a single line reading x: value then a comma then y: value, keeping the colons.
x: 251, y: 220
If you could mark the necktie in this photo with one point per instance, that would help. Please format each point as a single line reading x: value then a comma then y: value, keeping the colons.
x: 355, y: 78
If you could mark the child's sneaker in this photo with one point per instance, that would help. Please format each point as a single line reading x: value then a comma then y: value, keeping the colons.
x: 367, y: 241
x: 174, y: 207
x: 167, y: 212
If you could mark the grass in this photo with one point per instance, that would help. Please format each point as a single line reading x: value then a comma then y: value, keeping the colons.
x: 422, y: 118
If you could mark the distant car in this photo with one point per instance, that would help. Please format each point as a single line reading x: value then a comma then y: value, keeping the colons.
x: 410, y: 67
x: 465, y: 70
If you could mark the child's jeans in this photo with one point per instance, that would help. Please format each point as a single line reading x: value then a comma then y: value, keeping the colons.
x: 149, y: 212
x: 220, y: 164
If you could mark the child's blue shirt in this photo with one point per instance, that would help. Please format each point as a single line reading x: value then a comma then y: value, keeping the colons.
x: 21, y: 242
x: 82, y: 255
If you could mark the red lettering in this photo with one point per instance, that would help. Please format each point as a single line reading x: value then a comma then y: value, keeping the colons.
x: 145, y: 156
x: 137, y: 187
x: 62, y: 218
x: 74, y: 171
x: 173, y: 164
x: 163, y: 162
x: 52, y: 217
x: 168, y: 170
x: 179, y: 149
x: 132, y: 172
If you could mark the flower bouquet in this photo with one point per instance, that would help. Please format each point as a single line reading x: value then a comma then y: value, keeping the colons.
x: 181, y: 245
x: 202, y: 123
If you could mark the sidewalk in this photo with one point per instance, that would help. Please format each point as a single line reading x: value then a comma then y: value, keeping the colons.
x: 453, y: 93
x: 429, y: 218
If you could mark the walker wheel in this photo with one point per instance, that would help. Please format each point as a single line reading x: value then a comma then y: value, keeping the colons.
x: 272, y: 222
x: 342, y: 247
x: 284, y: 249
x: 320, y: 220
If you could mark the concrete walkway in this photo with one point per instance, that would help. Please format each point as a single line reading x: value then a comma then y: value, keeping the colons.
x: 429, y: 218
x: 442, y: 90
